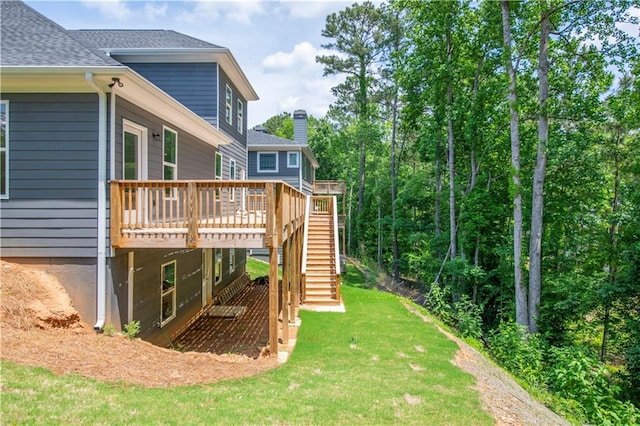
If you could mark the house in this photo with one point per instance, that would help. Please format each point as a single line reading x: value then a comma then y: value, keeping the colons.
x: 275, y: 158
x: 122, y: 165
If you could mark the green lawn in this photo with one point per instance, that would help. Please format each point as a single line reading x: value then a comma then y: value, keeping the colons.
x: 375, y: 364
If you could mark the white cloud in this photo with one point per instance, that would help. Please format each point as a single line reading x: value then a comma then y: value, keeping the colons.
x: 154, y: 10
x: 116, y: 9
x: 240, y: 11
x: 302, y: 57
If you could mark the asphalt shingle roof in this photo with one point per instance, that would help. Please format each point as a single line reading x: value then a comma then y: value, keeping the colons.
x: 29, y: 39
x: 260, y: 139
x: 141, y: 39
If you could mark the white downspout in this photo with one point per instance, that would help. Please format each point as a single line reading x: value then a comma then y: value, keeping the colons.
x: 101, y: 296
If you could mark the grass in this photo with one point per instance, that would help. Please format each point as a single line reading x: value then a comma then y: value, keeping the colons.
x: 375, y: 364
x: 257, y: 268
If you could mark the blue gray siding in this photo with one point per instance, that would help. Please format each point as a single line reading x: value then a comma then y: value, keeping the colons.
x: 193, y: 84
x: 53, y: 179
x: 238, y: 149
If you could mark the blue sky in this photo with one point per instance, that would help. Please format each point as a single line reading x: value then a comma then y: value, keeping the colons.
x: 275, y: 42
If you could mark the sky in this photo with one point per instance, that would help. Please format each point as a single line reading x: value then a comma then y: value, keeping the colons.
x: 275, y: 42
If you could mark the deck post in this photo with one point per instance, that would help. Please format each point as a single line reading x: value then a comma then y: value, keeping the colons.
x: 192, y: 215
x: 286, y: 280
x: 115, y: 209
x: 273, y: 301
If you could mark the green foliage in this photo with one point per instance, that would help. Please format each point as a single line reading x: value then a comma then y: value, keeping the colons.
x: 577, y: 375
x: 518, y: 351
x: 468, y: 317
x: 109, y: 330
x: 131, y: 330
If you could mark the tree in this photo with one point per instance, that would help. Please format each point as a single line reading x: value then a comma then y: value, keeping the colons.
x: 357, y: 34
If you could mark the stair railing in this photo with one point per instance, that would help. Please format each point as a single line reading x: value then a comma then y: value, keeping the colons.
x: 336, y: 246
x: 305, y: 244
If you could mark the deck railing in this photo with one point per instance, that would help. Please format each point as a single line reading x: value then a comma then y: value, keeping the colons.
x: 175, y: 210
x: 329, y: 187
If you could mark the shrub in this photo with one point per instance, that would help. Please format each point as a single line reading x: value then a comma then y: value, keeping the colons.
x: 518, y: 351
x: 578, y: 375
x: 132, y: 329
x: 468, y: 317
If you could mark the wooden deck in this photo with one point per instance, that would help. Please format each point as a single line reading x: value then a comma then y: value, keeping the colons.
x: 204, y: 214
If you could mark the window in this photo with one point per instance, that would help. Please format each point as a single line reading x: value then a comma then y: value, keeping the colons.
x: 268, y: 162
x: 228, y: 104
x: 240, y: 123
x: 232, y: 260
x: 218, y: 267
x: 168, y: 291
x: 293, y: 159
x: 232, y: 176
x: 218, y: 172
x: 170, y: 157
x: 4, y: 149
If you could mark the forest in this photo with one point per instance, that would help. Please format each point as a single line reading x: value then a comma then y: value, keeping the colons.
x: 491, y: 152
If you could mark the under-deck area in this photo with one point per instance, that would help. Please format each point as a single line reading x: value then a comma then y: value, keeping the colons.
x: 233, y: 214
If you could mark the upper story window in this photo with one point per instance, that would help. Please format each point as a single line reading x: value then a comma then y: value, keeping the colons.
x: 240, y: 123
x: 169, y: 156
x: 168, y: 292
x: 268, y: 162
x: 4, y: 149
x: 218, y: 167
x: 228, y: 104
x: 293, y: 159
x: 232, y: 176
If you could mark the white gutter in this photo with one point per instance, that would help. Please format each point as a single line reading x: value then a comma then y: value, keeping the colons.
x: 101, y: 294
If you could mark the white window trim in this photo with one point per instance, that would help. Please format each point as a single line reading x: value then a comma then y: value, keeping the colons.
x: 217, y: 262
x: 232, y: 176
x: 171, y: 195
x: 143, y: 148
x: 172, y: 290
x: 228, y: 96
x: 297, y: 157
x: 215, y: 166
x: 260, y: 170
x: 6, y: 152
x: 240, y: 116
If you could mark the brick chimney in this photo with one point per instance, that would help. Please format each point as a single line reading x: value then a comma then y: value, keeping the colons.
x: 300, y: 127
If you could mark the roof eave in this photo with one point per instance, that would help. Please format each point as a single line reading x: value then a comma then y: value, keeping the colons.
x: 221, y: 55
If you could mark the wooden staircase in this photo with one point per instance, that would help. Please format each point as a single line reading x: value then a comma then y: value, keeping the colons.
x: 321, y: 282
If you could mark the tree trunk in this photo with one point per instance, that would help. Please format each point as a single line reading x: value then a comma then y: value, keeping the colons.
x: 522, y: 316
x: 535, y: 244
x: 438, y: 200
x: 394, y: 227
x: 452, y: 173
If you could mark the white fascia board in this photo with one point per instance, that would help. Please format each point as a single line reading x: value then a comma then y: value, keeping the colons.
x: 220, y: 55
x: 136, y: 90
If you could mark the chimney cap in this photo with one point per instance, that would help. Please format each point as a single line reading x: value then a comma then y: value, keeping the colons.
x: 261, y: 129
x: 300, y: 113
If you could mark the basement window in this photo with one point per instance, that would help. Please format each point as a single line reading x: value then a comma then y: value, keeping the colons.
x: 168, y: 292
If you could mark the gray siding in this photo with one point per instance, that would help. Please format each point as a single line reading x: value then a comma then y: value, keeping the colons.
x: 147, y: 294
x: 193, y: 84
x: 290, y: 175
x: 53, y: 179
x: 231, y: 129
x: 196, y: 159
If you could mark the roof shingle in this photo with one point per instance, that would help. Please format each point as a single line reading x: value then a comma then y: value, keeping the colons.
x: 141, y: 39
x: 29, y: 39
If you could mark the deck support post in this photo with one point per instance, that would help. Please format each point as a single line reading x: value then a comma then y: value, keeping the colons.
x: 116, y: 212
x: 286, y: 280
x: 273, y: 301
